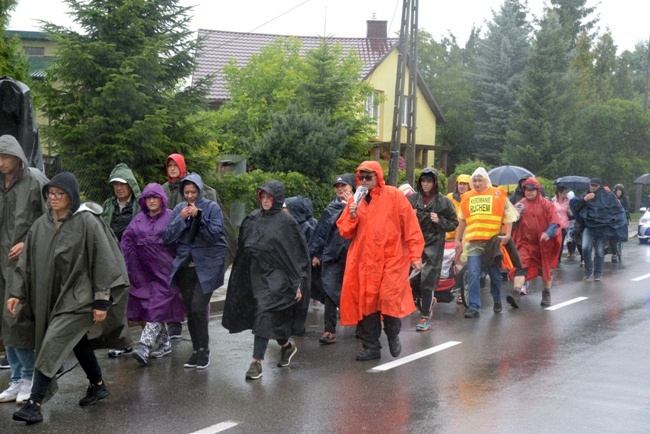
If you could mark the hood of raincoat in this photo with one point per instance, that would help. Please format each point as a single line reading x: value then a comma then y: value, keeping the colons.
x: 482, y: 173
x: 277, y: 191
x: 122, y: 171
x: 535, y: 183
x: 195, y: 179
x: 620, y: 187
x: 372, y: 166
x: 10, y: 146
x: 67, y: 182
x: 180, y: 162
x: 428, y: 172
x: 152, y: 190
x: 300, y: 208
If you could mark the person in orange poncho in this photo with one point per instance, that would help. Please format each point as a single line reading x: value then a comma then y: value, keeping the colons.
x: 386, y: 243
x: 539, y: 240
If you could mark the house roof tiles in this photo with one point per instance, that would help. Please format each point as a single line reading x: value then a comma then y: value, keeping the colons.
x: 221, y: 46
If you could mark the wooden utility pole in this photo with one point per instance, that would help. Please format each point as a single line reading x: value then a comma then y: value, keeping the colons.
x: 408, y: 32
x: 647, y: 81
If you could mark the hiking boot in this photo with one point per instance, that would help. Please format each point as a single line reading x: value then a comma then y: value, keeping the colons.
x: 141, y: 354
x: 394, y: 345
x: 546, y: 298
x: 424, y: 324
x: 286, y: 354
x: 162, y: 350
x: 254, y: 371
x: 614, y: 259
x: 119, y: 352
x: 369, y: 354
x: 472, y: 313
x: 30, y: 413
x: 498, y: 307
x: 24, y: 392
x: 11, y: 392
x: 94, y: 393
x: 203, y: 358
x: 514, y: 299
x: 174, y: 330
x: 327, y: 338
x: 191, y: 363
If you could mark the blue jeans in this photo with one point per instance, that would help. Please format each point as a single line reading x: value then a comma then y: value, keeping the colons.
x: 473, y: 281
x: 590, y: 243
x: 21, y: 362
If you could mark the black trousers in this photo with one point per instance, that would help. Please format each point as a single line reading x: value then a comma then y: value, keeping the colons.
x: 85, y: 354
x: 196, y: 306
x: 369, y: 329
x: 331, y: 315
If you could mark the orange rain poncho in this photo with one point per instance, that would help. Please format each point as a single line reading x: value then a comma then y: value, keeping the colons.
x: 386, y: 239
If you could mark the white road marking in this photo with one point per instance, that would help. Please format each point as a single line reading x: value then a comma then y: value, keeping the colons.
x: 566, y: 303
x: 412, y: 357
x: 638, y: 279
x: 217, y: 428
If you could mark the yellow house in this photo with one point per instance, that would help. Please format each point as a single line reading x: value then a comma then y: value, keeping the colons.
x: 379, y: 55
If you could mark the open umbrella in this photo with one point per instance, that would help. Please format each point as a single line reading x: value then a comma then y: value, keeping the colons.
x: 507, y: 174
x: 573, y: 182
x: 643, y: 179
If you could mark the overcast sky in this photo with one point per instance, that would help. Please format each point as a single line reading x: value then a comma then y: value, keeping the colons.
x: 627, y: 19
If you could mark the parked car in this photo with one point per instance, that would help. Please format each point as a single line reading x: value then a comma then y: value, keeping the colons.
x: 644, y: 226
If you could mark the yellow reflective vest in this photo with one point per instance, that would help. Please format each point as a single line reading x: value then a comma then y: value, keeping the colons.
x: 483, y: 213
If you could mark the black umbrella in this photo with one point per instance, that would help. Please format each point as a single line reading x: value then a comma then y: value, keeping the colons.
x: 505, y: 175
x: 573, y: 182
x: 643, y: 179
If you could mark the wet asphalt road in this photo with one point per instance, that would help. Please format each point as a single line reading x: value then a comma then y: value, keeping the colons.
x: 581, y: 368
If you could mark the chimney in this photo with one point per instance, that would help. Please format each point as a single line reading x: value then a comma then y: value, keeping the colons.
x: 377, y: 29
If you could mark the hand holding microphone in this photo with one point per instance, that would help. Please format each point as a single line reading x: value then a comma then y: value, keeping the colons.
x: 361, y: 193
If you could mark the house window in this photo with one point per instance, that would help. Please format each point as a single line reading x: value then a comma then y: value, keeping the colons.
x: 373, y: 109
x: 35, y: 51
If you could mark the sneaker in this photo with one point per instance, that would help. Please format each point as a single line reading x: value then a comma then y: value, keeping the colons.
x: 546, y: 298
x: 4, y: 364
x: 472, y: 313
x: 30, y: 413
x: 498, y: 307
x: 586, y: 277
x: 614, y: 259
x: 117, y: 352
x: 424, y: 324
x: 175, y: 330
x: 24, y: 392
x: 394, y: 346
x: 327, y: 338
x: 524, y: 288
x: 94, y: 393
x: 369, y: 354
x: 203, y: 358
x: 514, y: 299
x: 10, y: 393
x: 286, y: 354
x: 141, y: 354
x: 596, y: 277
x: 254, y: 371
x: 191, y: 363
x: 162, y: 350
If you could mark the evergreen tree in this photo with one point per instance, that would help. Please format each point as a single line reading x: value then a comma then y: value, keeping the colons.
x: 537, y: 134
x: 582, y: 72
x: 115, y: 94
x: 574, y: 18
x: 605, y: 66
x: 501, y: 62
x: 13, y: 62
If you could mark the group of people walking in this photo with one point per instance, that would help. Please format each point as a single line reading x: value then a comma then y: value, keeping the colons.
x: 74, y: 274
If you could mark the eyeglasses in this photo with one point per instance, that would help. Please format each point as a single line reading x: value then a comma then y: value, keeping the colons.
x: 366, y: 177
x: 55, y: 194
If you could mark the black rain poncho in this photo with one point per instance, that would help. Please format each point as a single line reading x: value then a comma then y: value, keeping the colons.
x: 434, y: 233
x: 603, y: 215
x: 272, y: 262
